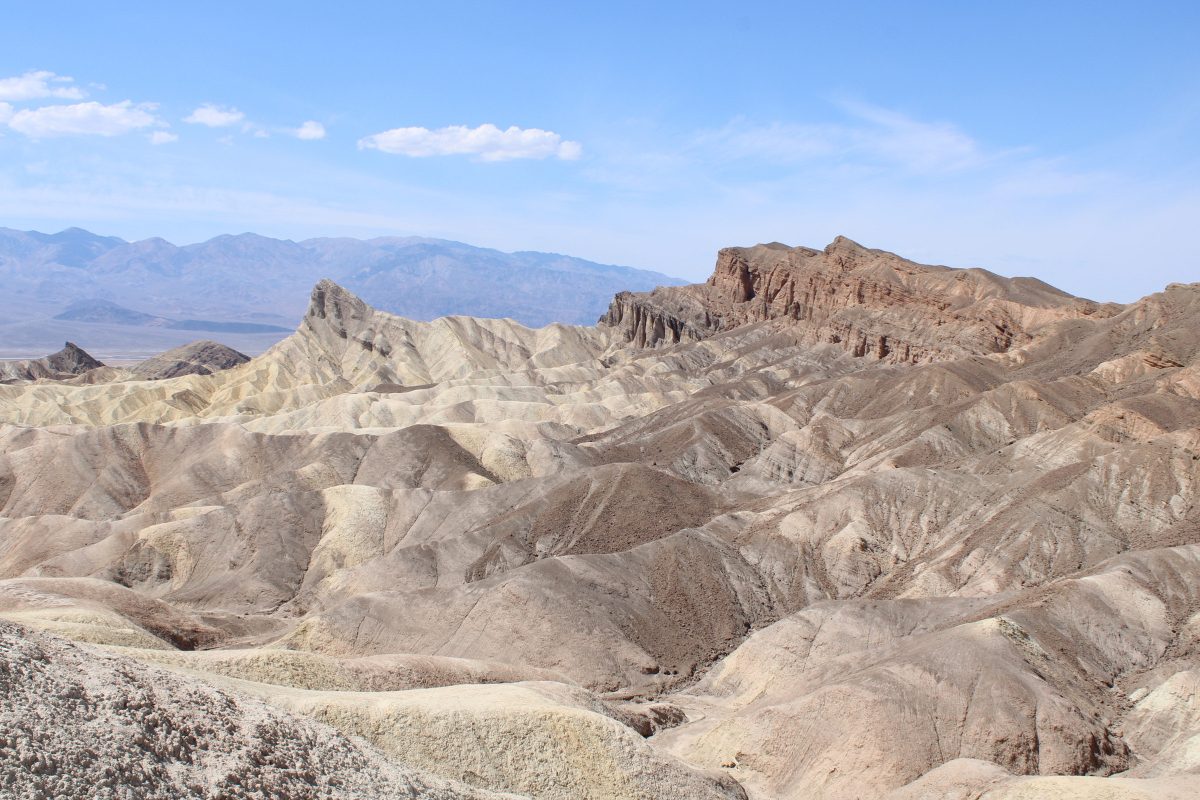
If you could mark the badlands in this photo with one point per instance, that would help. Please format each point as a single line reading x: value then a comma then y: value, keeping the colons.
x: 831, y: 525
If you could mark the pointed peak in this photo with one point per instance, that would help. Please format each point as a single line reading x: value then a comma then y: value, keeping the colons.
x: 327, y: 287
x: 843, y: 244
x: 331, y: 301
x: 73, y: 359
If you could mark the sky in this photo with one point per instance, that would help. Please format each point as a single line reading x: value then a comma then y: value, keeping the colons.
x: 1059, y: 140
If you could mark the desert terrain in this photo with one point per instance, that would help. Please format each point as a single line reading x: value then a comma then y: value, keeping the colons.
x: 833, y: 524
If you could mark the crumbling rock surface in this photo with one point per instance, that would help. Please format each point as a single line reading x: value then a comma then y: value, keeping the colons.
x: 78, y: 722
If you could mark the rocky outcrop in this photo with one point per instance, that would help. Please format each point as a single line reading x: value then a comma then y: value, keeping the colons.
x: 870, y: 303
x: 198, y: 358
x: 67, y: 363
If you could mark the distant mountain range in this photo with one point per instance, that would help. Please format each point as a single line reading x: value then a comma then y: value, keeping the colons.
x: 253, y: 280
x: 106, y: 312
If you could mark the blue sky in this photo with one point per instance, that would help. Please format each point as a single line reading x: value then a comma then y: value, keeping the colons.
x: 1058, y: 140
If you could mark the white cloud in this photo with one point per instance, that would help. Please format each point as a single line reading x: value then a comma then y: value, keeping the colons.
x: 309, y: 130
x: 162, y: 137
x: 261, y: 134
x: 569, y: 151
x: 35, y: 84
x: 487, y: 141
x: 113, y: 120
x: 214, y: 116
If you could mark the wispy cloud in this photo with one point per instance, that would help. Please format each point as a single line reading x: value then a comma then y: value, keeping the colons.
x: 84, y: 118
x: 487, y: 142
x: 309, y: 130
x: 918, y: 145
x: 878, y: 136
x: 162, y: 137
x: 214, y: 116
x: 35, y: 84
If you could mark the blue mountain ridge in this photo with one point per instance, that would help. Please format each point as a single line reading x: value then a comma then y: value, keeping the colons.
x: 252, y: 279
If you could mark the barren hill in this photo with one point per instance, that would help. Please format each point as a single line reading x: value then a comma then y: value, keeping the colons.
x: 66, y: 363
x: 833, y: 524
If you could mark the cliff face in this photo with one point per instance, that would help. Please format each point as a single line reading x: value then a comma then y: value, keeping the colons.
x: 663, y: 317
x: 870, y: 302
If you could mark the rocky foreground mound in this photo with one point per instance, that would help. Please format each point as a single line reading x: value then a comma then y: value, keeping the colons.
x: 832, y: 525
x: 78, y: 722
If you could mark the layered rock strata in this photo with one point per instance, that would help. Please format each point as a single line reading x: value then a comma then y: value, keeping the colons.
x: 868, y: 302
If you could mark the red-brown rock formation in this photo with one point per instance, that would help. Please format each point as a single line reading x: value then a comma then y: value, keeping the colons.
x: 869, y: 302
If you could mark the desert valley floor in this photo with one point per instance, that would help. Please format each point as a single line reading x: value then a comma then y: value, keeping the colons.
x: 831, y: 525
